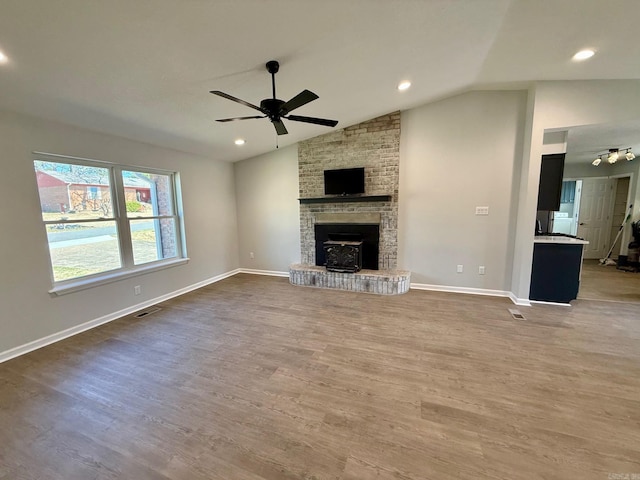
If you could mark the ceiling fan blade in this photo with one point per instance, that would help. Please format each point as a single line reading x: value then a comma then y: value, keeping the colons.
x: 317, y: 121
x: 237, y: 100
x: 299, y: 100
x: 239, y: 118
x: 280, y: 128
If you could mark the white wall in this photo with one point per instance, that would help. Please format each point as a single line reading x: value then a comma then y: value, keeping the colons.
x: 268, y: 210
x: 27, y: 311
x: 457, y: 154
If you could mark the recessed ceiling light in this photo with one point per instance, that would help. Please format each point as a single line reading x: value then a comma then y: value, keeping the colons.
x: 583, y: 55
x: 404, y: 85
x: 239, y: 141
x: 3, y: 58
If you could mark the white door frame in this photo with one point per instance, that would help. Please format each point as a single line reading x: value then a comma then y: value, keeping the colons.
x: 626, y: 233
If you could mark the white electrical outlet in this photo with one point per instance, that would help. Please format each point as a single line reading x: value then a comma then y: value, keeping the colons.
x: 481, y: 269
x: 482, y: 210
x: 251, y: 255
x: 137, y: 290
x: 460, y: 268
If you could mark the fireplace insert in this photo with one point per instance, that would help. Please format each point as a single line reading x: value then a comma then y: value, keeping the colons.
x: 343, y: 256
x: 368, y: 234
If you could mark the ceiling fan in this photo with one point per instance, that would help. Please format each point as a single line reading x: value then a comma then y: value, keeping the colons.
x: 276, y: 109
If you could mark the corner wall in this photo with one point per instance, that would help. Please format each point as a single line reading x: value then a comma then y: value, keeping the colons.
x: 268, y: 212
x: 28, y: 312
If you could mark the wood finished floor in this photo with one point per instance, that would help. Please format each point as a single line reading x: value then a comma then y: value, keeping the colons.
x: 606, y: 282
x: 254, y: 379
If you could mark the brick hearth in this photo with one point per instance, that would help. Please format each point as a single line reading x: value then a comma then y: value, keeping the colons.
x: 382, y: 282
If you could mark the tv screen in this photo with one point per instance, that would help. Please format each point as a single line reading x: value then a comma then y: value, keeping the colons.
x: 347, y: 181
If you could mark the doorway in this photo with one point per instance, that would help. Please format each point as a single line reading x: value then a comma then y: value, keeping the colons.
x: 565, y: 220
x: 598, y: 281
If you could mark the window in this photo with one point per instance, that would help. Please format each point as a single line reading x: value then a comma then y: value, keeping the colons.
x: 105, y: 221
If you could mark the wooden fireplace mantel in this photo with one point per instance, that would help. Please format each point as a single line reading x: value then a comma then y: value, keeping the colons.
x: 347, y: 199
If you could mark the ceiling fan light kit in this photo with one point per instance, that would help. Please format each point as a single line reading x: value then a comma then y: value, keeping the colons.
x: 275, y: 109
x: 613, y: 155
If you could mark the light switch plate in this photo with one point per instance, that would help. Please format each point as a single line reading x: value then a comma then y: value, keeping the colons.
x: 482, y: 210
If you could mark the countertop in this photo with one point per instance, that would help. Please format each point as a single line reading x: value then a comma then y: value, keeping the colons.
x: 559, y: 239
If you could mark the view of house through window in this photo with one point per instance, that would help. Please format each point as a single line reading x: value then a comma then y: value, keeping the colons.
x: 105, y: 218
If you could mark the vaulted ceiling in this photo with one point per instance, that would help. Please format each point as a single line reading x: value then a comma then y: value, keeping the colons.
x: 142, y: 69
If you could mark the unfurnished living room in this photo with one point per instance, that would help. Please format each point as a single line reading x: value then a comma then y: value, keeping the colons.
x: 312, y: 240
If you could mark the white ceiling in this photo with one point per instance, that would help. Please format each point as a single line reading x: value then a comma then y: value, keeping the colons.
x: 142, y: 69
x: 586, y: 142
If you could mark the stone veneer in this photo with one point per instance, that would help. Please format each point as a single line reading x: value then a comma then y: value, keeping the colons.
x: 374, y: 145
x: 381, y: 282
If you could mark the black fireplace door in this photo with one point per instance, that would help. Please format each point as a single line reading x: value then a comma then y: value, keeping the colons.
x: 368, y: 234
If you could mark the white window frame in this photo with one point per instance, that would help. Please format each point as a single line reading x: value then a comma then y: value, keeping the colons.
x: 128, y: 267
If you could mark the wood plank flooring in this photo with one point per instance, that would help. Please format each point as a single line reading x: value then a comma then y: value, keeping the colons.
x: 255, y: 379
x: 600, y: 282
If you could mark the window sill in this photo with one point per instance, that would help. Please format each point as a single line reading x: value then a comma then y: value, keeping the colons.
x: 86, y: 283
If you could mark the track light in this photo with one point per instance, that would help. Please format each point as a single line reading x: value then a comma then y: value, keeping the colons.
x: 629, y: 155
x: 613, y: 155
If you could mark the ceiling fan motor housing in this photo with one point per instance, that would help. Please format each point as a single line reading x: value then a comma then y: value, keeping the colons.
x: 272, y: 106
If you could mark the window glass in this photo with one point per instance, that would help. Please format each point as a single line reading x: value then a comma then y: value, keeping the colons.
x: 147, y: 194
x: 73, y: 192
x: 85, y: 213
x: 153, y: 239
x: 81, y: 249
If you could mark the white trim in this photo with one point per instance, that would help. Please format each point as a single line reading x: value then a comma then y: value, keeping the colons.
x: 470, y: 291
x: 523, y: 302
x: 104, y: 278
x: 69, y: 332
x: 60, y: 156
x: 557, y: 304
x: 271, y: 273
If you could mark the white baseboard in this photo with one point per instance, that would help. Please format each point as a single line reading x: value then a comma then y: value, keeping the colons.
x: 469, y: 291
x: 69, y: 332
x: 523, y: 302
x: 557, y: 304
x: 271, y: 273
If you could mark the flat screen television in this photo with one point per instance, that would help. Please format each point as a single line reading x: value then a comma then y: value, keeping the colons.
x: 346, y: 181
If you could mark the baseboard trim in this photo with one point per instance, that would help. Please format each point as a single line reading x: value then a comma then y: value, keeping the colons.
x: 465, y: 290
x: 83, y: 327
x: 523, y: 302
x: 271, y: 273
x: 555, y: 304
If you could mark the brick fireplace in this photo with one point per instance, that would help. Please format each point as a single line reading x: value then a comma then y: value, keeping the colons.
x: 374, y: 145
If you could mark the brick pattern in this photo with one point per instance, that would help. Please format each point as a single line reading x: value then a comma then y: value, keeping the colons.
x: 374, y: 145
x: 366, y: 281
x: 164, y: 198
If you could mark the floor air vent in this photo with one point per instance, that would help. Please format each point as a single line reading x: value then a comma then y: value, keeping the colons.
x: 147, y: 311
x: 516, y: 314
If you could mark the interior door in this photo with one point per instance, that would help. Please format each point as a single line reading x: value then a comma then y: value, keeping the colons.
x: 594, y: 223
